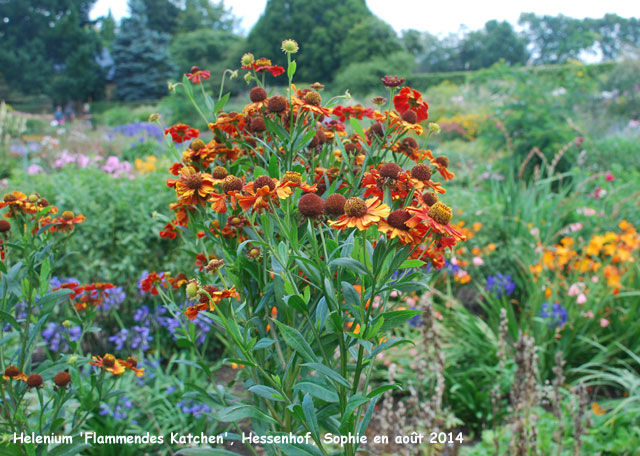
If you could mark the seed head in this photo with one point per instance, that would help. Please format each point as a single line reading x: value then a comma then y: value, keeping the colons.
x: 11, y: 371
x: 410, y: 117
x: 334, y: 205
x: 219, y: 172
x: 34, y: 381
x: 258, y: 94
x: 292, y: 176
x: 313, y: 98
x: 4, y: 226
x: 68, y: 215
x: 421, y: 172
x: 264, y: 181
x: 109, y: 360
x: 277, y: 104
x: 390, y: 170
x: 398, y: 219
x: 257, y: 124
x: 290, y: 46
x: 247, y: 59
x: 197, y: 145
x: 442, y: 161
x: 311, y: 205
x: 62, y: 379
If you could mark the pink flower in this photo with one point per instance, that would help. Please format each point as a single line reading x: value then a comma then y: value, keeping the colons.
x: 595, y: 279
x: 575, y: 227
x: 581, y: 299
x: 599, y: 193
x: 588, y: 211
x: 588, y: 314
x: 438, y: 315
x: 477, y: 261
x: 454, y: 261
x: 34, y: 169
x: 575, y: 289
x: 604, y: 322
x: 535, y: 232
x: 393, y: 294
x: 609, y: 177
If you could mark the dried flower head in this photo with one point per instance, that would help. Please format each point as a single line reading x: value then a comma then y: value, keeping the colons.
x: 277, y: 104
x: 355, y: 207
x: 398, y: 219
x: 410, y: 117
x: 62, y: 379
x: 257, y: 124
x: 430, y: 198
x: 11, y: 371
x: 311, y: 205
x: 421, y: 172
x: 334, y: 205
x: 4, y: 226
x: 258, y: 94
x: 34, y: 381
x: 292, y: 176
x: 442, y: 161
x: 317, y: 86
x: 390, y: 170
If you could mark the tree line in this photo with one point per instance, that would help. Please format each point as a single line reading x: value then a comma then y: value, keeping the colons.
x: 51, y: 47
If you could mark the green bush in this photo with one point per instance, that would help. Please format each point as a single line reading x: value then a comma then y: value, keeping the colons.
x: 119, y: 238
x: 363, y: 78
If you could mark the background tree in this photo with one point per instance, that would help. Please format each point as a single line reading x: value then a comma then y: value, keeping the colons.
x: 497, y: 41
x: 320, y: 28
x: 554, y: 39
x: 141, y: 57
x: 204, y: 14
x: 50, y: 48
x: 107, y: 31
x: 213, y: 50
x: 162, y: 15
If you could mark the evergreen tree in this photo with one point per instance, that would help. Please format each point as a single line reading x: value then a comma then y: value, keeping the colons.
x: 319, y: 27
x: 50, y: 48
x: 141, y: 57
x: 107, y: 30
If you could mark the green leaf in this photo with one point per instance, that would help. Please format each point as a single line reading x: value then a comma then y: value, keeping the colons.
x: 412, y: 264
x: 264, y: 343
x: 266, y: 392
x: 297, y: 303
x: 396, y: 318
x: 292, y: 69
x: 351, y: 264
x: 4, y: 316
x: 322, y: 310
x: 328, y: 373
x: 321, y: 391
x: 221, y: 103
x: 69, y: 450
x: 204, y: 452
x: 54, y: 298
x: 381, y: 389
x: 240, y: 412
x: 310, y: 414
x: 295, y: 340
x: 355, y: 124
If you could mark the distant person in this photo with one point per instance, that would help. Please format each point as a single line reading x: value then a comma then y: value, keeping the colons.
x: 58, y: 115
x: 69, y: 115
x: 86, y: 114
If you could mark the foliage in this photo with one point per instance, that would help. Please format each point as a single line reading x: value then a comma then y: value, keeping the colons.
x: 206, y: 48
x: 321, y: 29
x: 141, y: 58
x: 50, y: 48
x: 363, y: 78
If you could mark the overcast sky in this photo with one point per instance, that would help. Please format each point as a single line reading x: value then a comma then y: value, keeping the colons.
x: 437, y: 17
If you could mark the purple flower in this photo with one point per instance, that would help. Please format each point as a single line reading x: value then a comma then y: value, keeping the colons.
x: 500, y: 285
x: 57, y: 336
x: 554, y: 313
x: 113, y: 297
x: 197, y: 409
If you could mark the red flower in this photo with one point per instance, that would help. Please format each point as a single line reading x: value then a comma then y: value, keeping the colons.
x: 148, y: 284
x: 392, y: 81
x: 197, y: 74
x: 265, y: 65
x: 181, y: 132
x: 409, y: 99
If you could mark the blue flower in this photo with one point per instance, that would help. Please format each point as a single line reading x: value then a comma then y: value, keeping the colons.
x: 555, y: 313
x: 55, y: 335
x: 500, y: 285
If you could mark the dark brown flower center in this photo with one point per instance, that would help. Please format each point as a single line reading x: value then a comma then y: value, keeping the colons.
x: 10, y: 197
x: 258, y: 94
x: 410, y: 117
x: 62, y: 379
x: 313, y: 98
x: 430, y: 198
x: 193, y: 181
x: 197, y: 145
x: 34, y: 381
x: 398, y: 219
x: 277, y: 104
x: 311, y: 205
x: 442, y: 161
x: 11, y: 371
x: 390, y: 170
x: 264, y: 181
x: 231, y: 183
x: 109, y: 360
x: 355, y: 207
x: 219, y: 172
x: 421, y: 172
x: 334, y: 205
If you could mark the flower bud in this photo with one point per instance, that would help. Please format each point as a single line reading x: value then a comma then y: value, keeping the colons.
x: 192, y: 289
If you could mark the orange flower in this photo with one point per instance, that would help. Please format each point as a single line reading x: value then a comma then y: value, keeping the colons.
x: 109, y: 363
x: 181, y: 132
x: 436, y: 218
x: 13, y: 373
x: 209, y: 300
x: 361, y: 214
x: 261, y: 191
x: 196, y: 74
x: 193, y: 187
x: 64, y: 223
x: 395, y: 226
x: 231, y: 123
